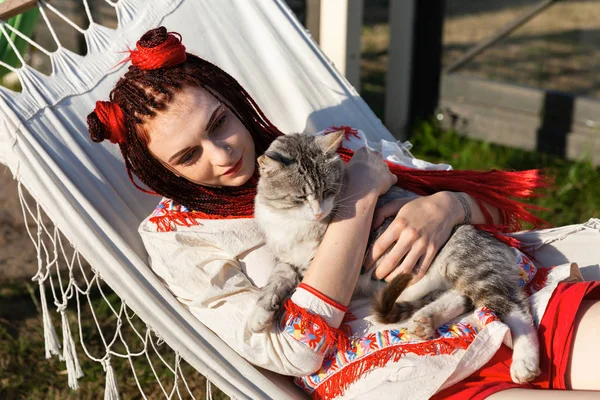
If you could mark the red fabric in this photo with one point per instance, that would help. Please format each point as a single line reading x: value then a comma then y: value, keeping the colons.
x: 112, y: 117
x: 556, y: 333
x: 167, y: 54
x: 496, y: 188
x: 499, y: 189
x: 321, y: 296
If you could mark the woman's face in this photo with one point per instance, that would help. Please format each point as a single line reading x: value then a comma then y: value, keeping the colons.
x: 200, y: 139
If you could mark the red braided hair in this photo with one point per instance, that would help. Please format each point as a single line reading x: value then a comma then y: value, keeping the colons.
x: 167, y: 54
x: 108, y: 121
x: 159, y: 70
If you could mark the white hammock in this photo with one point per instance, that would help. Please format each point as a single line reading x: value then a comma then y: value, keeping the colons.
x: 84, y: 190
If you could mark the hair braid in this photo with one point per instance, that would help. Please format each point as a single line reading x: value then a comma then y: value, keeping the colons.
x: 141, y: 93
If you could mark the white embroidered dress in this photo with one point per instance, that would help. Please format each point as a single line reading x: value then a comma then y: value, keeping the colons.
x: 215, y: 268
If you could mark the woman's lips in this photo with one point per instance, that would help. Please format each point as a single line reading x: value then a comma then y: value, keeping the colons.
x: 233, y: 170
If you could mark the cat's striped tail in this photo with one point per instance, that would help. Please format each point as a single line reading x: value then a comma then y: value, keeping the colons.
x: 386, y: 309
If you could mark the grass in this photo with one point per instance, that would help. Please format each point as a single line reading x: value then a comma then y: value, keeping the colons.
x: 573, y: 197
x: 26, y: 374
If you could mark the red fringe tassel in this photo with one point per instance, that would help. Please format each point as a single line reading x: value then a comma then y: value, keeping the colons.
x: 496, y: 188
x: 164, y: 223
x: 337, y: 383
x: 333, y: 336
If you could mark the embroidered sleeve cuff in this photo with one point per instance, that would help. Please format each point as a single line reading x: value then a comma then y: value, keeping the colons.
x: 317, y: 303
x: 311, y: 329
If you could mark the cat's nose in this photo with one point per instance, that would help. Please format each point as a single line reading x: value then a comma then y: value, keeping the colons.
x: 319, y: 215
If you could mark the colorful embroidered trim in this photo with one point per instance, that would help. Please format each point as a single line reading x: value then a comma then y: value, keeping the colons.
x: 539, y: 281
x: 341, y: 368
x: 311, y: 329
x: 168, y: 214
x: 527, y: 270
x: 321, y: 296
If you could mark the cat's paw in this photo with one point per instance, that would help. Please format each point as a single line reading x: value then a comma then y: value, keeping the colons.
x: 523, y: 370
x: 269, y: 301
x: 259, y: 319
x: 421, y: 326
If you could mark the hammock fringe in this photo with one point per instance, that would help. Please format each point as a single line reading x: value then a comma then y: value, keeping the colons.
x: 51, y: 343
x: 111, y: 390
x: 74, y: 371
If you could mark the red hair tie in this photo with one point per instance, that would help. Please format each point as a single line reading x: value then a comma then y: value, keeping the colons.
x: 149, y: 55
x: 112, y: 117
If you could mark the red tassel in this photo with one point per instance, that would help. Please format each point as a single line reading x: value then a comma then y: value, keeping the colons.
x: 496, y: 188
x: 336, y: 384
x: 333, y: 337
x: 165, y: 223
x: 112, y: 117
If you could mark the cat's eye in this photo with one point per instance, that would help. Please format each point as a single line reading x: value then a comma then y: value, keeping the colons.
x: 299, y: 199
x: 328, y: 192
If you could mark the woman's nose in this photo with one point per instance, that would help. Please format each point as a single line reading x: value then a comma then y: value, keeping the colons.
x: 221, y: 154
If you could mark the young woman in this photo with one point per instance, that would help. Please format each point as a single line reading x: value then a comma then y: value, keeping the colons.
x: 191, y: 133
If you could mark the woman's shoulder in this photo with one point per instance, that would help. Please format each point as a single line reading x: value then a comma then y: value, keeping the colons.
x: 173, y: 226
x: 169, y: 216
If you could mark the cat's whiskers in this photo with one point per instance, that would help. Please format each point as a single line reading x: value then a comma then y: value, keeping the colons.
x: 351, y: 196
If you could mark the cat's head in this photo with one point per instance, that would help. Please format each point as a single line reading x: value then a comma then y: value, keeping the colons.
x: 301, y: 174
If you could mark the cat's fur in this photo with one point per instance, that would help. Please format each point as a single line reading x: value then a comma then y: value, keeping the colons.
x: 301, y: 176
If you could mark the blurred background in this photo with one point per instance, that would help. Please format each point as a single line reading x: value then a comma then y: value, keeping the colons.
x: 508, y: 84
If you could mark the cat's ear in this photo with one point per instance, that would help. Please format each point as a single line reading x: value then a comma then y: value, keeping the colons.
x: 331, y: 141
x: 271, y: 162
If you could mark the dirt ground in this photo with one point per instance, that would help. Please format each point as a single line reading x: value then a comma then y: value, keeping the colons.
x: 17, y: 257
x: 557, y: 49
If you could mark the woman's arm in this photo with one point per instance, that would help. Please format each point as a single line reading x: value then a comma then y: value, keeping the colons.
x: 335, y: 268
x: 469, y: 207
x: 209, y: 281
x: 420, y: 227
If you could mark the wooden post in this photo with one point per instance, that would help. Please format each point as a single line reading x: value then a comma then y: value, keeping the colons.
x: 398, y: 79
x: 339, y: 36
x: 313, y: 18
x: 11, y: 8
x: 426, y: 59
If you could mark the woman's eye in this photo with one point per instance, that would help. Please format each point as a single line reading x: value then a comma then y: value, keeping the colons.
x: 187, y: 158
x: 220, y: 122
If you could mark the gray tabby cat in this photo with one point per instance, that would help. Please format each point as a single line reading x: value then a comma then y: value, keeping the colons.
x: 301, y: 176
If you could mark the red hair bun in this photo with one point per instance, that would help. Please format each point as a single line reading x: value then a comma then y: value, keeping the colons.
x: 158, y: 48
x: 107, y: 122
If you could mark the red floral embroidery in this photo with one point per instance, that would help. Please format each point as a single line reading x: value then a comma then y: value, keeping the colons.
x: 310, y: 329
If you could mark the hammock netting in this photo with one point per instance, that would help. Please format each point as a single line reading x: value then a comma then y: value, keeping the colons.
x: 83, y: 213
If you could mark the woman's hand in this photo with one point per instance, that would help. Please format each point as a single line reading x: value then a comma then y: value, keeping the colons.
x: 419, y: 230
x: 367, y: 172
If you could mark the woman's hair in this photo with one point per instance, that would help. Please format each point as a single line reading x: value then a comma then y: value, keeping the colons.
x: 147, y: 87
x: 161, y: 67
